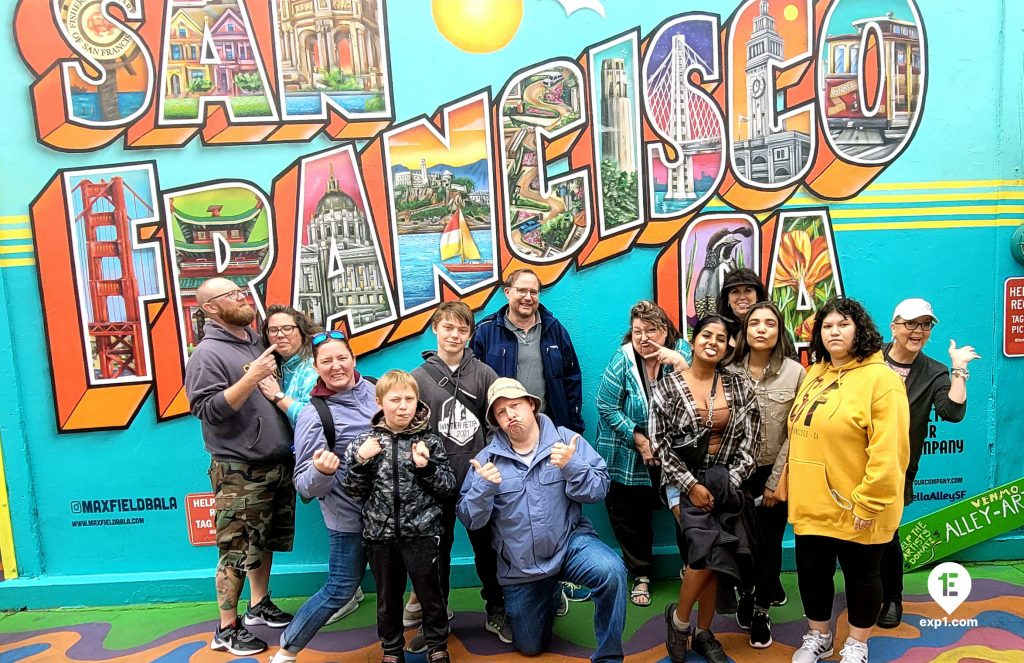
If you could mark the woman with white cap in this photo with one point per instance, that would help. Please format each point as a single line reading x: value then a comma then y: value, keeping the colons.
x: 930, y: 385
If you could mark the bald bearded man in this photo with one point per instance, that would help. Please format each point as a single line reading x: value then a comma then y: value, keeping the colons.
x: 249, y: 441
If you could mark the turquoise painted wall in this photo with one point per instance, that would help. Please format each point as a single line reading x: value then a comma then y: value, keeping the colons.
x: 969, y: 143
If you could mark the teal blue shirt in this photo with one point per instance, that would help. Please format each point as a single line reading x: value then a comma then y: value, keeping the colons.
x: 298, y: 378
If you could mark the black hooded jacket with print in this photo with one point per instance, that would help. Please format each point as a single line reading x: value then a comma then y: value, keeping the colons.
x: 400, y: 500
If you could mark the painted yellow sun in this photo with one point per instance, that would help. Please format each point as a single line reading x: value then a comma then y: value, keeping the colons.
x: 477, y: 26
x: 790, y: 13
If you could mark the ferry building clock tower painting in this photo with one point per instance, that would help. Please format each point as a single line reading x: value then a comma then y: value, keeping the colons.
x: 763, y: 48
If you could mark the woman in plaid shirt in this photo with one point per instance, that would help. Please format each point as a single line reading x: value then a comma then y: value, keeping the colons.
x: 707, y: 497
x: 651, y: 349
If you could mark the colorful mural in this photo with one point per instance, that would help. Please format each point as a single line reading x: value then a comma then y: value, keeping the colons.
x: 561, y: 167
x: 365, y: 160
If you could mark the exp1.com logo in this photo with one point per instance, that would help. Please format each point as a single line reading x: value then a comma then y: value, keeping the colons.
x: 950, y: 585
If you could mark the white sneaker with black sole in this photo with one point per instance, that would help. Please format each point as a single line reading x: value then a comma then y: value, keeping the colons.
x: 237, y: 640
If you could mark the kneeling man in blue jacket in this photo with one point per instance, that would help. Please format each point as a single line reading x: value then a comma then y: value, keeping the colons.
x: 529, y: 484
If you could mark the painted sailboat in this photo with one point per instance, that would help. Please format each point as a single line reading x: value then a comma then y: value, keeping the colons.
x: 457, y: 242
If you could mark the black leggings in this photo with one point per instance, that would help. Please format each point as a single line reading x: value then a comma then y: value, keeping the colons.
x: 816, y: 569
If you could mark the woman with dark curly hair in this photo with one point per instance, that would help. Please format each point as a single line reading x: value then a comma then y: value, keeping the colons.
x: 848, y: 452
x: 290, y: 331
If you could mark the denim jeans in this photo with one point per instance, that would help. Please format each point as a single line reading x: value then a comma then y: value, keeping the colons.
x: 345, y: 568
x: 590, y: 562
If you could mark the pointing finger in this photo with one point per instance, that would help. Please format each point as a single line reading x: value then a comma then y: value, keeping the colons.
x: 475, y: 463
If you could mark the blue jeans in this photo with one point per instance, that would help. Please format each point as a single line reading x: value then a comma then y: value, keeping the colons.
x: 345, y: 568
x: 589, y: 562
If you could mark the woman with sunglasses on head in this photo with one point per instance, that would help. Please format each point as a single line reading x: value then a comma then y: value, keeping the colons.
x: 290, y: 332
x: 351, y: 401
x: 930, y: 385
x: 622, y: 405
x: 848, y: 449
x: 705, y: 428
x: 764, y: 354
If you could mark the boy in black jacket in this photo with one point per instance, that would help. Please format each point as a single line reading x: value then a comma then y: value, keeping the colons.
x: 400, y: 471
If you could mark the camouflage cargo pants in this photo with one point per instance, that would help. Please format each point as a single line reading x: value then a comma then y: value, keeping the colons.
x: 255, y: 511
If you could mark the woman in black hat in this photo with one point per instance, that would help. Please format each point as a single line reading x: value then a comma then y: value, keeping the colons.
x: 741, y: 289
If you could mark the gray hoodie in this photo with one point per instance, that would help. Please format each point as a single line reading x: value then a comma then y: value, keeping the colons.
x: 258, y: 432
x: 463, y: 432
x: 352, y: 411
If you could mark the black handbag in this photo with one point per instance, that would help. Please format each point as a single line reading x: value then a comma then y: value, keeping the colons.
x: 691, y: 448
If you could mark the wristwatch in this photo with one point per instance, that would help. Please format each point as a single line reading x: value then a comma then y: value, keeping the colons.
x: 277, y: 397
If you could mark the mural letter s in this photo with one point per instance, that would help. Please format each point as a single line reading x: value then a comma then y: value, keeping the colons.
x: 94, y: 73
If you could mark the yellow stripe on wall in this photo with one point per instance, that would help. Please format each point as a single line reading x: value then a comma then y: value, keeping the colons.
x: 928, y: 225
x: 17, y: 262
x: 16, y: 248
x: 6, y: 532
x: 14, y: 220
x: 16, y: 234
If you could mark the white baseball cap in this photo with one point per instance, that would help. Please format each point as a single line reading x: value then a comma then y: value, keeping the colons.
x: 909, y: 309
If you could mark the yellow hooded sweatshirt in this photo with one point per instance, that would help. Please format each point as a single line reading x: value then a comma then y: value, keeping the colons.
x: 848, y: 451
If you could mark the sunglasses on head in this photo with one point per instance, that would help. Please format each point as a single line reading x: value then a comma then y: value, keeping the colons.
x: 323, y: 336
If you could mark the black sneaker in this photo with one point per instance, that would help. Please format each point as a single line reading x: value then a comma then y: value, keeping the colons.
x: 499, y: 626
x: 439, y: 655
x: 418, y: 644
x: 760, y: 630
x: 676, y: 641
x: 779, y: 595
x: 265, y: 612
x: 707, y: 645
x: 237, y: 640
x: 745, y: 610
x: 891, y: 615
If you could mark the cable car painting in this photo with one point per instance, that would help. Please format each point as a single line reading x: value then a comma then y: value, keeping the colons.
x: 853, y: 127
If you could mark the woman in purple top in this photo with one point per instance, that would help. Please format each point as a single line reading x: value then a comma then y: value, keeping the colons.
x: 351, y: 401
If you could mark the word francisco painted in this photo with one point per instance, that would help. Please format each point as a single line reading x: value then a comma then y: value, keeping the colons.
x: 571, y: 161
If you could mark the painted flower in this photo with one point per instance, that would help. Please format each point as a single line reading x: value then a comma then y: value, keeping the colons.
x: 802, y: 260
x: 804, y: 330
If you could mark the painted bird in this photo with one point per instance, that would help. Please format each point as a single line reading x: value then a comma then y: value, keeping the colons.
x: 719, y: 260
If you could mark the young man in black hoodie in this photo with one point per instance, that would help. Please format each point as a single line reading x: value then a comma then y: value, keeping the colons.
x: 249, y: 440
x: 453, y: 383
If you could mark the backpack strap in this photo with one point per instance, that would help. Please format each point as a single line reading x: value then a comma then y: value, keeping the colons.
x: 326, y: 419
x: 446, y: 383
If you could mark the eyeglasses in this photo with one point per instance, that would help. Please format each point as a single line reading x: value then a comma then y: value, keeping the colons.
x: 522, y: 292
x: 283, y: 330
x: 323, y: 336
x: 912, y: 325
x: 230, y: 294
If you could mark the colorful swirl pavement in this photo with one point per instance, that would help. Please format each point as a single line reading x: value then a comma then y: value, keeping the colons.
x: 179, y: 633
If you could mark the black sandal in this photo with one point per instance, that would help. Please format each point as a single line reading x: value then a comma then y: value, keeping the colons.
x: 636, y: 595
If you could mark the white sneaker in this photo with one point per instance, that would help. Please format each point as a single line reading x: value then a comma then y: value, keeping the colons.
x: 412, y: 615
x: 348, y: 608
x: 854, y: 651
x: 283, y: 656
x: 814, y: 648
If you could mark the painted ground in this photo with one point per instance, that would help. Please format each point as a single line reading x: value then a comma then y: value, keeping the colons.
x: 176, y: 633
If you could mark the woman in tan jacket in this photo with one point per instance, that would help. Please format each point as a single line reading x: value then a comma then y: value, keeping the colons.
x: 764, y: 354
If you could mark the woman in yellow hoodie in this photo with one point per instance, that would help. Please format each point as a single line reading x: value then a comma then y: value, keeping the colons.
x: 847, y: 456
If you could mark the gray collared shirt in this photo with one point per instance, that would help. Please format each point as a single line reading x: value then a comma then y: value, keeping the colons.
x: 529, y: 363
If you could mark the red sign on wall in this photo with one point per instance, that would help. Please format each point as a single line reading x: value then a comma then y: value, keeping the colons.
x: 201, y: 511
x: 1013, y: 318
